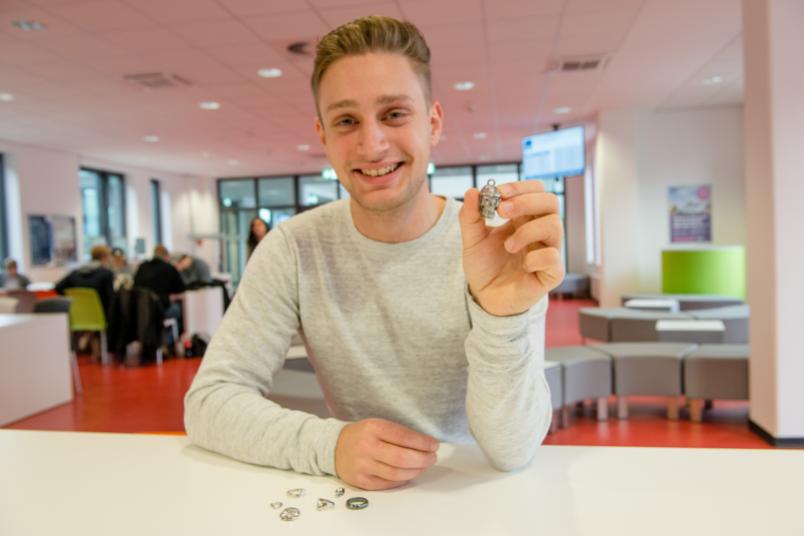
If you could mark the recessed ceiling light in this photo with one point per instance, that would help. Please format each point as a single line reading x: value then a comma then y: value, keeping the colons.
x: 150, y: 138
x: 712, y: 80
x: 6, y: 97
x: 466, y: 85
x: 270, y: 72
x: 209, y: 105
x: 29, y: 25
x: 480, y: 135
x: 561, y: 110
x: 303, y: 147
x: 233, y: 162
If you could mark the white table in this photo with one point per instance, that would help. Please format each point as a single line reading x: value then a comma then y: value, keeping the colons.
x: 691, y: 330
x: 34, y: 365
x: 99, y: 484
x: 656, y: 305
x: 203, y: 310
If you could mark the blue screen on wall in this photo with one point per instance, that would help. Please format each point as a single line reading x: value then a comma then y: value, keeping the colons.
x: 558, y: 153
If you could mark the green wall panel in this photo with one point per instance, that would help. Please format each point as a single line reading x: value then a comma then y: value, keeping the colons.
x: 716, y: 270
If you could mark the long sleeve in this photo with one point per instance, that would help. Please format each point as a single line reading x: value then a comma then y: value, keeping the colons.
x: 225, y: 408
x: 507, y: 398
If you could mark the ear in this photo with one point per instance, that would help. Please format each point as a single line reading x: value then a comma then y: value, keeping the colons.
x: 319, y: 129
x: 436, y: 122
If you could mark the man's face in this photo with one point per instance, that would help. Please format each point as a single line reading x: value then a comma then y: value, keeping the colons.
x: 11, y: 270
x: 377, y: 129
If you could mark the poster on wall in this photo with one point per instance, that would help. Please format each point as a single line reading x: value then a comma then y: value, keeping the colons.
x: 690, y: 213
x: 53, y: 240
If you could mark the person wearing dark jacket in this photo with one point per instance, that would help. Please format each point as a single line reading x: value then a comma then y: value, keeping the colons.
x: 95, y: 275
x: 160, y: 276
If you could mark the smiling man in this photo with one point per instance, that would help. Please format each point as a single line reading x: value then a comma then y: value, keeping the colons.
x: 422, y: 323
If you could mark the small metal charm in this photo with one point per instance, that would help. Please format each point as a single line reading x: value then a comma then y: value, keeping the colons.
x: 489, y: 199
x: 296, y: 492
x: 289, y: 514
x: 339, y: 492
x: 276, y: 505
x: 324, y: 504
x: 356, y: 503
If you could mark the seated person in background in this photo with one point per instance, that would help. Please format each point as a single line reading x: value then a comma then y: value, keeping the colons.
x: 161, y: 277
x: 194, y: 271
x: 123, y: 273
x: 11, y: 279
x: 423, y: 324
x: 96, y: 274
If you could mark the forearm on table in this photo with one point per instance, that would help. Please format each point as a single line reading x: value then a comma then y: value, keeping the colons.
x: 508, y: 400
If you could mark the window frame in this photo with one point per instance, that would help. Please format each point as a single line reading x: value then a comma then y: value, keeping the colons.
x: 105, y: 176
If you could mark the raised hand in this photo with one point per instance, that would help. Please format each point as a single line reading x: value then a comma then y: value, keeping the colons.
x: 511, y: 267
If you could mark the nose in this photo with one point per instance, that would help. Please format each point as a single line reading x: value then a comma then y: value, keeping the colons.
x: 372, y: 141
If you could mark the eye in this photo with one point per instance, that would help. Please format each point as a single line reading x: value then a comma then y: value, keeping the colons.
x: 396, y: 115
x: 345, y: 122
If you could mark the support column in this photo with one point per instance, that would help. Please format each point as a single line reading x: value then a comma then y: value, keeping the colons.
x: 774, y: 158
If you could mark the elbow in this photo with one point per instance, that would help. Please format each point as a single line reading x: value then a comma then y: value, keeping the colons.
x: 510, y: 464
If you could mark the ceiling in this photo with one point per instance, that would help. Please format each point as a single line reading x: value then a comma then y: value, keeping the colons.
x: 69, y: 90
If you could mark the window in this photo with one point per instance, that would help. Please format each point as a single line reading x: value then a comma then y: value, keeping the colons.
x: 555, y: 185
x: 156, y: 204
x: 501, y: 173
x: 4, y: 249
x: 452, y: 181
x: 316, y: 190
x: 103, y: 202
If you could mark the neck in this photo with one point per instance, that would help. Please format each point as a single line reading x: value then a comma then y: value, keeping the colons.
x: 402, y: 224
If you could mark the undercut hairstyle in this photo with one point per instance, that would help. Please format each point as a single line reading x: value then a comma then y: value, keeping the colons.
x: 373, y: 34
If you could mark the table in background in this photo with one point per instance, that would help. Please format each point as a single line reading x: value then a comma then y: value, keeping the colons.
x: 98, y: 484
x: 203, y: 310
x: 34, y: 365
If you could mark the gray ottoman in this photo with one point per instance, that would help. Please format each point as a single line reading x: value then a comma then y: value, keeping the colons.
x: 648, y: 369
x: 595, y: 322
x: 586, y: 375
x: 553, y: 374
x: 735, y: 320
x: 630, y: 325
x: 715, y: 372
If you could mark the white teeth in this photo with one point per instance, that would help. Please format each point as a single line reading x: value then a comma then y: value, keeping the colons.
x: 378, y: 172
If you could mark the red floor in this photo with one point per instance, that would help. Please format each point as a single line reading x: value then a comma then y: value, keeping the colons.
x: 149, y: 399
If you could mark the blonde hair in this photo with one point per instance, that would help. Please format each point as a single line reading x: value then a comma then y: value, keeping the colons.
x: 373, y: 34
x: 99, y: 252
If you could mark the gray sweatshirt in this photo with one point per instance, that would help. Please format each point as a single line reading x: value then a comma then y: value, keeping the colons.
x: 391, y: 331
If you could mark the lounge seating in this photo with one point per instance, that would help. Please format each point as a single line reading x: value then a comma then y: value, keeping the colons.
x: 553, y: 374
x: 649, y: 369
x: 735, y: 320
x: 587, y: 374
x: 690, y: 330
x: 689, y: 302
x: 629, y: 325
x: 715, y: 372
x: 575, y: 285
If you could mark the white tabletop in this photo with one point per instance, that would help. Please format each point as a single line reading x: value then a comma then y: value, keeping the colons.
x: 101, y: 484
x: 690, y: 325
x: 660, y: 304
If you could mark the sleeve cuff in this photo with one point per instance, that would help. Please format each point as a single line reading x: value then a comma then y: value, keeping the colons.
x: 505, y: 327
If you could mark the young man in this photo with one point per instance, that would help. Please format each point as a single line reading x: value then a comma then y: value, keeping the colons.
x: 423, y: 324
x: 12, y: 279
x: 96, y: 274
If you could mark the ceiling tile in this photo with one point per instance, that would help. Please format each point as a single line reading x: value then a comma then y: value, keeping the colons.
x: 259, y: 7
x: 146, y: 40
x: 297, y: 25
x: 575, y: 6
x: 251, y: 54
x: 516, y: 9
x: 83, y: 46
x: 55, y: 24
x: 207, y: 34
x: 23, y: 53
x: 538, y: 29
x: 102, y: 16
x: 180, y: 10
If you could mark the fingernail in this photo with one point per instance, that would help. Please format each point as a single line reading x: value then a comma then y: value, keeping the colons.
x: 504, y: 189
x: 510, y: 245
x: 506, y: 207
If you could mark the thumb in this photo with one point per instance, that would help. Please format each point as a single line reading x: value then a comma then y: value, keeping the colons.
x: 473, y: 225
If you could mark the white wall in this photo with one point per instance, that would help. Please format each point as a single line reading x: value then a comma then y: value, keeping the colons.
x: 640, y: 154
x: 47, y: 183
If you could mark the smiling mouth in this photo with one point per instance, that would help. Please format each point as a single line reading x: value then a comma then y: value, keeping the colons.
x: 379, y: 172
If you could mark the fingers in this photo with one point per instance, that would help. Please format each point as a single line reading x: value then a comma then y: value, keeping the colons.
x: 396, y: 434
x: 473, y: 225
x: 512, y: 189
x: 546, y: 230
x: 530, y: 204
x: 546, y: 264
x: 404, y: 458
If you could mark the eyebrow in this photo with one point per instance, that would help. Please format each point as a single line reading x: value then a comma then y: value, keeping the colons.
x: 381, y: 100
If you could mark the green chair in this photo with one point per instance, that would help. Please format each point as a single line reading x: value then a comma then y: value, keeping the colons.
x: 86, y: 314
